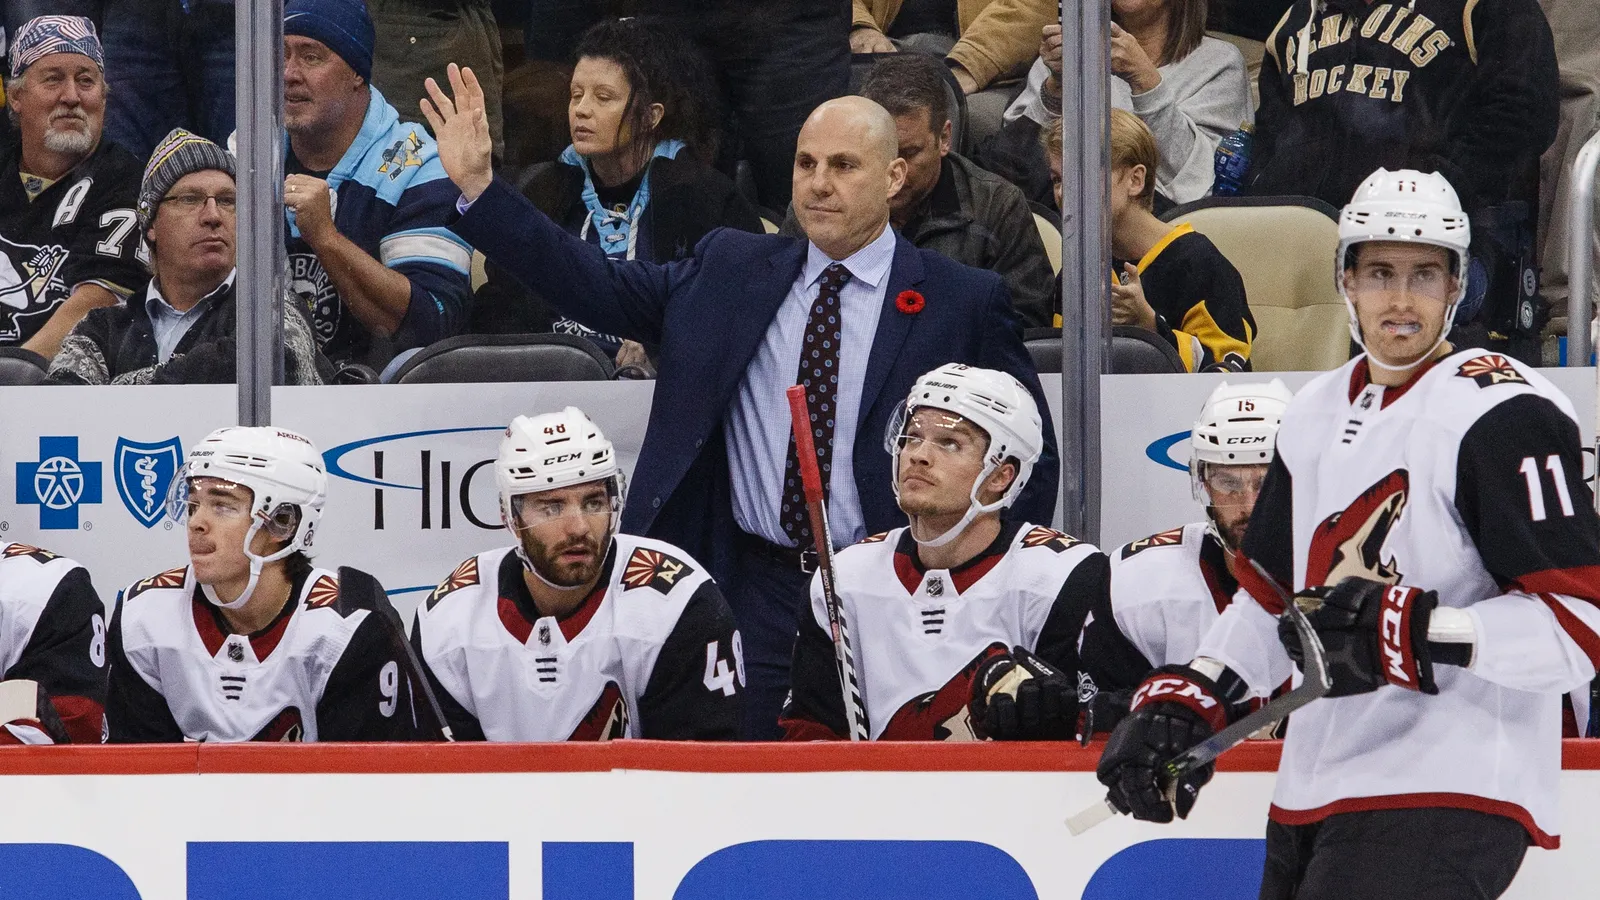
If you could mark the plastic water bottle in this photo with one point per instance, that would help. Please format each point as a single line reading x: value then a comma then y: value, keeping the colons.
x: 1232, y: 159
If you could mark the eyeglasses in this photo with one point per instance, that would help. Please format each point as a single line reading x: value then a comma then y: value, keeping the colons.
x: 191, y: 203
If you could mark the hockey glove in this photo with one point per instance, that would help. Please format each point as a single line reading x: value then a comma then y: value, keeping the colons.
x: 1020, y: 697
x: 1173, y: 710
x: 1103, y: 711
x: 27, y: 716
x: 1373, y: 634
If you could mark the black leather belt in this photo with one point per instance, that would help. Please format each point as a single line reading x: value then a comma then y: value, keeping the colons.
x: 801, y: 558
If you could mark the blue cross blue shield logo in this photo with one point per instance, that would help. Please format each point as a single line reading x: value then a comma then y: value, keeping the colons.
x: 144, y: 473
x: 58, y: 483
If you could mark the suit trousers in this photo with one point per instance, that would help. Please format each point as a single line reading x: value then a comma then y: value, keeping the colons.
x: 766, y: 596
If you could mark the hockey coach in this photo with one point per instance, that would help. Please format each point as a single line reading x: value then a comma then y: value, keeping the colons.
x: 717, y: 474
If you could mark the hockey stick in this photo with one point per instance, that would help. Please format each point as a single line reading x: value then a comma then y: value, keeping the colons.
x: 356, y: 583
x: 855, y: 710
x: 1315, y: 684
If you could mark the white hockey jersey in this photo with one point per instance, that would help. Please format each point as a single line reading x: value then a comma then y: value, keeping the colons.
x: 325, y: 670
x: 1467, y: 480
x: 920, y: 636
x: 651, y: 653
x: 52, y: 631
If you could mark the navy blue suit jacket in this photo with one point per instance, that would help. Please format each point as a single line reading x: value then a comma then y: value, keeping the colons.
x: 709, y: 314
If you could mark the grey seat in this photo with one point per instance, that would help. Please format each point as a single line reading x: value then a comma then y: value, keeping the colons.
x: 21, y: 367
x: 477, y: 358
x: 1134, y: 351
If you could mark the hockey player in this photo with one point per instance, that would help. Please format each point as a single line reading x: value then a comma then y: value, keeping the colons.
x: 964, y: 623
x: 52, y: 649
x: 576, y: 632
x: 250, y: 642
x: 1427, y: 509
x: 1167, y: 589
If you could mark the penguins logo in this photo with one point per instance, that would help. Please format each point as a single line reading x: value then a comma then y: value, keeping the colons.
x: 30, y: 283
x: 1351, y: 542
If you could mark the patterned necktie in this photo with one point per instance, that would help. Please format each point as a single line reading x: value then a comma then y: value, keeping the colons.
x: 819, y: 373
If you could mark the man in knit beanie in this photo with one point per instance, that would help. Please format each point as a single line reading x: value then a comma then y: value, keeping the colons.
x: 366, y: 196
x: 67, y: 227
x: 180, y: 328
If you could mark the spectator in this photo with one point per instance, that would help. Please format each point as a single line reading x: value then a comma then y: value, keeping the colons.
x: 1469, y: 90
x: 67, y: 227
x: 984, y: 42
x: 1576, y: 29
x: 378, y: 270
x: 1166, y: 279
x: 718, y: 476
x: 416, y: 39
x: 1191, y: 90
x: 170, y: 64
x: 948, y: 204
x: 633, y: 182
x: 775, y: 60
x: 180, y: 329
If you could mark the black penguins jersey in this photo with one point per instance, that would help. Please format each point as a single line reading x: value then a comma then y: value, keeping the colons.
x: 52, y: 631
x: 652, y: 652
x: 1166, y: 591
x: 324, y: 670
x: 1467, y: 480
x: 920, y: 636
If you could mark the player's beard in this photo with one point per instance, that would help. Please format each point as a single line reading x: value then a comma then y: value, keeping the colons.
x: 547, y: 562
x: 1232, y: 531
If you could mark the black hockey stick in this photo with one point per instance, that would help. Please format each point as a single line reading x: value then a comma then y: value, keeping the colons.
x: 855, y: 709
x: 358, y: 584
x: 1314, y: 685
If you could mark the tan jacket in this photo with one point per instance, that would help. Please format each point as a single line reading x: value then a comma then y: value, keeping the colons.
x: 998, y: 37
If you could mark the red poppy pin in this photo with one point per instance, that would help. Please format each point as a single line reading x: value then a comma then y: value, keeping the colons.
x: 910, y: 302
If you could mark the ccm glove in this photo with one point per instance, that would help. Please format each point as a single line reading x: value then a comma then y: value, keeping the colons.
x: 1020, y: 697
x: 1174, y: 709
x: 1372, y: 634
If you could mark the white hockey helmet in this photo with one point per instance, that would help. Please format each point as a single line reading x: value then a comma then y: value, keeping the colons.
x: 995, y: 402
x: 287, y: 482
x: 551, y: 451
x: 1405, y: 206
x: 1238, y: 426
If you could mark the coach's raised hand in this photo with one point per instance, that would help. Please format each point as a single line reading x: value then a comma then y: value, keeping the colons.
x: 461, y: 128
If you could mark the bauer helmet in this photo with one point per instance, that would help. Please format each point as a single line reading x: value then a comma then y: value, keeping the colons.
x: 1405, y: 206
x: 996, y: 403
x: 287, y: 482
x: 1238, y: 426
x: 555, y: 450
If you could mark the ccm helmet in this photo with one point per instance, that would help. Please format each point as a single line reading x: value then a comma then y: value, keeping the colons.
x: 995, y: 402
x: 287, y: 483
x: 1406, y: 206
x: 1238, y: 426
x: 555, y: 450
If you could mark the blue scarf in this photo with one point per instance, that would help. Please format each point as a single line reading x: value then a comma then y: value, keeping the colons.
x: 616, y: 230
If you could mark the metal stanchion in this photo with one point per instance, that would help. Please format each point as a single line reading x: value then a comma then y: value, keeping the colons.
x: 258, y: 74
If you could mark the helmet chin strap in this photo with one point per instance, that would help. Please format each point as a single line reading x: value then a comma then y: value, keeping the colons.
x: 528, y: 563
x: 974, y: 509
x: 1355, y: 335
x: 257, y: 563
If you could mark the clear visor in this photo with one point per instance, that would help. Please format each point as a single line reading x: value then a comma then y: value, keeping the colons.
x: 225, y: 500
x: 533, y: 510
x: 926, y: 426
x: 1230, y: 486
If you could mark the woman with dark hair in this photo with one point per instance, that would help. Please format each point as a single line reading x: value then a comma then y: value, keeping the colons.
x: 635, y: 180
x: 1191, y: 90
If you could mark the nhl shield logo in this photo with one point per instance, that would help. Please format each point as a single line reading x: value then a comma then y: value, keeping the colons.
x: 144, y: 473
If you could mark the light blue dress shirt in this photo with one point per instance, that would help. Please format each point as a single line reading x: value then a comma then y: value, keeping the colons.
x: 168, y: 324
x: 758, y: 432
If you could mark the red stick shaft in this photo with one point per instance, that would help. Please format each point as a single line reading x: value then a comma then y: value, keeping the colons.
x: 804, y: 444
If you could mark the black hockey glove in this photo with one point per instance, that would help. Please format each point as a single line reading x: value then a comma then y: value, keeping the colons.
x: 1372, y: 633
x: 1173, y: 710
x: 1020, y: 697
x: 213, y: 362
x: 19, y: 696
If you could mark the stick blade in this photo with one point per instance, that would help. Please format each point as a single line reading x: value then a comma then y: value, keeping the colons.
x: 1091, y: 816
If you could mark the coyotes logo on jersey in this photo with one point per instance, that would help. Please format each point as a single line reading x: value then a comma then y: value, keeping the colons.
x: 1059, y: 541
x: 1491, y: 370
x: 465, y: 575
x: 942, y: 715
x: 41, y: 556
x: 607, y: 720
x: 324, y: 593
x: 1351, y: 542
x: 1162, y: 539
x: 653, y: 569
x: 286, y: 727
x: 874, y: 538
x: 169, y: 579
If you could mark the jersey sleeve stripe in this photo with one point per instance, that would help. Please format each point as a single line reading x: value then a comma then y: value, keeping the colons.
x: 1581, y: 582
x: 1579, y: 631
x: 1265, y: 594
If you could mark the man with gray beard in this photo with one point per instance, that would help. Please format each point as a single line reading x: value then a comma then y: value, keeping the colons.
x: 69, y: 237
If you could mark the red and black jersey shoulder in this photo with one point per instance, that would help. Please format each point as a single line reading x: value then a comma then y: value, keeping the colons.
x: 878, y: 538
x: 1166, y: 538
x: 1040, y: 536
x: 34, y: 553
x: 465, y: 575
x: 648, y: 568
x: 1490, y: 370
x: 171, y: 578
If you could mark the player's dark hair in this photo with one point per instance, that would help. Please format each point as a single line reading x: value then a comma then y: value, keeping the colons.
x: 906, y: 82
x: 661, y: 67
x: 297, y: 566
